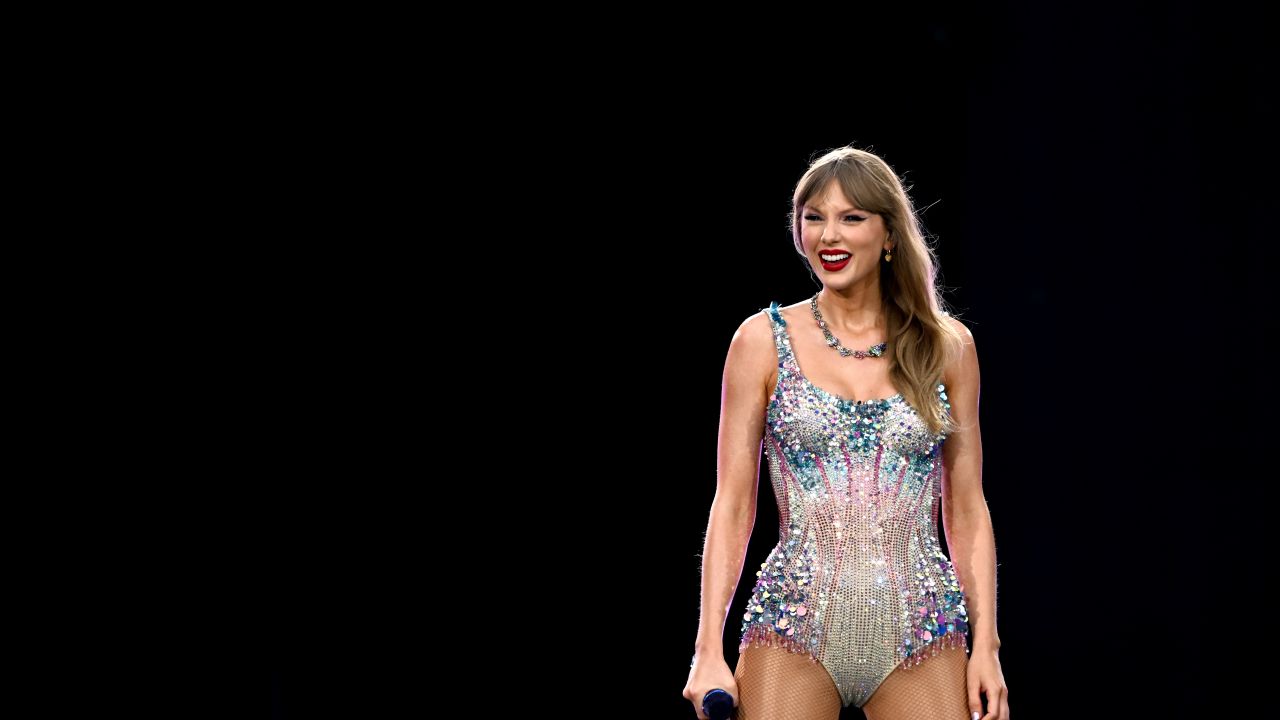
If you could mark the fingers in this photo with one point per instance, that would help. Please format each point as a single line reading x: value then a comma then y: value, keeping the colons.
x: 997, y: 704
x: 689, y: 695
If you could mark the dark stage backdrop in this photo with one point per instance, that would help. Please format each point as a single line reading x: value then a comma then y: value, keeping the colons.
x: 1091, y: 190
x: 1094, y: 184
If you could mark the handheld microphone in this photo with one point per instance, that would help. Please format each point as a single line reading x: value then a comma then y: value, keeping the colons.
x: 717, y: 704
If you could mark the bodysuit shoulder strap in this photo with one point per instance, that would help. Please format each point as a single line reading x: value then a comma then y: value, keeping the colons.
x: 781, y: 338
x: 945, y: 401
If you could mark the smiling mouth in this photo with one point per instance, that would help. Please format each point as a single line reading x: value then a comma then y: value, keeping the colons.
x: 834, y: 261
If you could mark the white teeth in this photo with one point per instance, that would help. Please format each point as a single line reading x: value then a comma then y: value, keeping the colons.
x: 834, y: 258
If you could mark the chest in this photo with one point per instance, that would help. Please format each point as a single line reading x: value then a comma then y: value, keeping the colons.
x: 809, y: 421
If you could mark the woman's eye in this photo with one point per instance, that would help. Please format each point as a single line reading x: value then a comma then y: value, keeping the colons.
x: 815, y: 218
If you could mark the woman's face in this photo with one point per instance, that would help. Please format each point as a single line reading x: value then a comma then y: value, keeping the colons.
x: 831, y: 225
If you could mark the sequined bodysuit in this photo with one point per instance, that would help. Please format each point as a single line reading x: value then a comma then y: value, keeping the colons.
x: 858, y: 580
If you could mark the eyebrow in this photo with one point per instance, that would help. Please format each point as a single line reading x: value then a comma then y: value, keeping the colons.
x: 847, y: 210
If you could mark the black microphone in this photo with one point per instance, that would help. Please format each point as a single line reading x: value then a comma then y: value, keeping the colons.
x: 717, y: 704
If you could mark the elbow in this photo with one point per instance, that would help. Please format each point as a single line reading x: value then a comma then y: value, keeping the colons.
x: 966, y: 511
x: 736, y: 509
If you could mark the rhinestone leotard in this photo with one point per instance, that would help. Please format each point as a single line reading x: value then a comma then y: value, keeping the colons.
x: 858, y: 580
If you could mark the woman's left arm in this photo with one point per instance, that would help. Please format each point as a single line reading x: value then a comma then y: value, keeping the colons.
x: 967, y: 522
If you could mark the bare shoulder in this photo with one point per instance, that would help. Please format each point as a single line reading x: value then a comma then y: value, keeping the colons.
x: 754, y: 336
x: 961, y: 328
x: 752, y: 351
x: 962, y: 368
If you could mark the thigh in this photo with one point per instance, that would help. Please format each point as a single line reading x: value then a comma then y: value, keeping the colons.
x: 774, y: 684
x: 933, y: 689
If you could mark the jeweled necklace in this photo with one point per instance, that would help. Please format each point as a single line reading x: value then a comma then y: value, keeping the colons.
x: 874, y: 351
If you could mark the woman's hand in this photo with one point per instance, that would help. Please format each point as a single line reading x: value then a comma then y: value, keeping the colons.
x: 986, y: 678
x: 706, y: 675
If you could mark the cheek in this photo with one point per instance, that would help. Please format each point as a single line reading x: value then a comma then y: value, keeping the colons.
x: 810, y: 238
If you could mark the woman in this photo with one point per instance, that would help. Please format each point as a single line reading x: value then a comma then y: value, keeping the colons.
x: 856, y: 604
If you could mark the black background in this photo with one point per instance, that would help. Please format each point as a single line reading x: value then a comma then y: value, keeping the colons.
x: 1095, y: 184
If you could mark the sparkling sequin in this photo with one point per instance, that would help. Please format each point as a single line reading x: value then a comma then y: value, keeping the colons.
x: 858, y: 581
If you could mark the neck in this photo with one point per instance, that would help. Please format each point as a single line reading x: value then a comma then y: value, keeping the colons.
x: 855, y: 310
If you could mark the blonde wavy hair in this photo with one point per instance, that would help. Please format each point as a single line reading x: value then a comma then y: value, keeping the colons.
x: 921, y: 338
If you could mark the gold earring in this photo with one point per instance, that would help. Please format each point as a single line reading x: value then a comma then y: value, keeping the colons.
x: 886, y: 255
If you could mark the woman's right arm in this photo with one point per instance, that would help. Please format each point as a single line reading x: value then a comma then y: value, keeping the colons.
x: 748, y: 368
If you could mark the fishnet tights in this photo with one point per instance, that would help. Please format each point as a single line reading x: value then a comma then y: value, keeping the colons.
x: 774, y: 684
